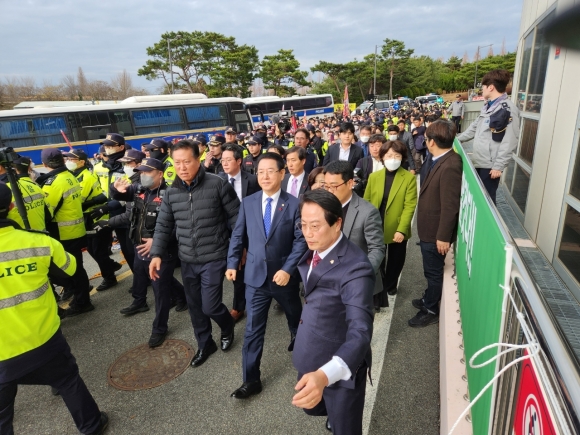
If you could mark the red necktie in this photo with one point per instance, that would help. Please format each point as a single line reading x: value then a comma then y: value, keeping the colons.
x: 315, y: 260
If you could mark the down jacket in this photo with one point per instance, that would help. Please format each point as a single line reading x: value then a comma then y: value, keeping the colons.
x: 203, y: 215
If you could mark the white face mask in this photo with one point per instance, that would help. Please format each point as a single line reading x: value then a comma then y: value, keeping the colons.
x: 129, y: 171
x: 393, y: 137
x: 364, y: 139
x: 392, y: 164
x: 110, y: 151
x: 71, y: 166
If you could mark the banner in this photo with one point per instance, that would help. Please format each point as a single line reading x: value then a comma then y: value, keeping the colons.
x: 346, y: 108
x: 480, y: 263
x: 338, y: 107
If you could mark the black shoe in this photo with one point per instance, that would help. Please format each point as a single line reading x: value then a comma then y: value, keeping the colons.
x: 392, y: 292
x: 75, y: 310
x: 292, y: 340
x: 117, y: 267
x: 247, y: 389
x: 418, y: 303
x: 423, y: 318
x: 227, y: 341
x: 103, y: 425
x: 134, y: 309
x: 328, y: 426
x: 277, y: 307
x: 202, y: 355
x: 66, y: 294
x: 181, y: 306
x: 106, y: 285
x: 157, y: 339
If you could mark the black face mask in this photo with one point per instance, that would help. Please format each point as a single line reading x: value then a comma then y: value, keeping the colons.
x: 156, y: 154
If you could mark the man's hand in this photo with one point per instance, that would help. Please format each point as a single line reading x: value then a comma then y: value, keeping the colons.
x: 495, y: 174
x: 154, y: 267
x: 98, y: 226
x: 412, y: 171
x: 281, y: 278
x: 310, y: 388
x: 399, y: 237
x: 98, y: 213
x: 243, y: 261
x: 121, y: 185
x: 443, y: 247
x: 231, y: 274
x: 208, y: 157
x: 144, y: 249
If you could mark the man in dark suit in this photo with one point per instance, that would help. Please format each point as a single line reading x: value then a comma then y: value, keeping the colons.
x: 296, y: 180
x: 332, y: 352
x: 244, y: 184
x: 302, y: 140
x: 437, y: 214
x: 269, y: 221
x: 346, y: 149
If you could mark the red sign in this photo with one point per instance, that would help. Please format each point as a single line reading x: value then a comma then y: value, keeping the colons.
x: 532, y: 414
x: 557, y: 55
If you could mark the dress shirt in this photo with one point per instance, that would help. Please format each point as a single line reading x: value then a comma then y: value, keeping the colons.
x: 343, y: 154
x: 237, y: 183
x: 377, y: 165
x: 300, y: 178
x: 434, y: 159
x: 274, y: 202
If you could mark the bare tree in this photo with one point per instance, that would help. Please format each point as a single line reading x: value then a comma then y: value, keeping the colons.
x: 50, y: 92
x: 490, y: 51
x: 28, y: 89
x: 122, y: 85
x: 503, y: 50
x: 82, y: 83
x: 99, y: 90
x: 465, y: 58
x: 70, y: 87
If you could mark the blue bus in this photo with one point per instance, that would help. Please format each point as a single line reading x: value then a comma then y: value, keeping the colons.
x: 138, y: 119
x: 303, y: 106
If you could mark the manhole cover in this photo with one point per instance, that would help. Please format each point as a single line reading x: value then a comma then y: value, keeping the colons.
x: 142, y: 368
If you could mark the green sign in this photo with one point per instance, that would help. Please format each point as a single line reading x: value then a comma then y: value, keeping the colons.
x: 480, y: 260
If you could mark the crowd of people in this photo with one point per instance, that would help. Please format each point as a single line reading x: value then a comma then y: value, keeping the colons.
x: 315, y: 218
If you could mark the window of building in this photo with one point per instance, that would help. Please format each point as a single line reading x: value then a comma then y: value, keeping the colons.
x: 24, y: 132
x: 528, y: 140
x: 569, y: 252
x: 158, y: 120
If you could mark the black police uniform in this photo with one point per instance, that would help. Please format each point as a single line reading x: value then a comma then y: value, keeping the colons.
x: 250, y: 163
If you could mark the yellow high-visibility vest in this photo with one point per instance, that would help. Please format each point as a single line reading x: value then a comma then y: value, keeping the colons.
x: 34, y: 201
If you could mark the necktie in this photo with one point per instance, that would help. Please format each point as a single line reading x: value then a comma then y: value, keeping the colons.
x: 433, y: 163
x: 294, y: 190
x: 233, y: 181
x: 268, y: 216
x: 315, y: 260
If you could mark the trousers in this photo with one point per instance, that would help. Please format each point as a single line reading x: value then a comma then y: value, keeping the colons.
x: 239, y: 302
x: 80, y: 280
x: 490, y: 184
x: 391, y: 270
x: 433, y: 264
x: 98, y: 248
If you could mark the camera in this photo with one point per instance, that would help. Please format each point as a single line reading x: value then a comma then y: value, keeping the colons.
x: 7, y: 156
x: 282, y: 121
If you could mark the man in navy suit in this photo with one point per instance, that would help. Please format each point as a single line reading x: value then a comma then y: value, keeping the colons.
x: 270, y: 222
x: 244, y: 184
x: 332, y: 351
x: 296, y: 180
x: 346, y: 149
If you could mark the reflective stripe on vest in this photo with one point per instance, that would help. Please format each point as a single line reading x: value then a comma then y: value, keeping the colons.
x: 36, y: 196
x: 72, y: 190
x: 70, y: 223
x: 24, y: 253
x: 24, y: 297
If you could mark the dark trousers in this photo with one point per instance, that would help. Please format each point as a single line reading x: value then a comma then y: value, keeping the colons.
x: 258, y: 306
x: 61, y: 373
x: 98, y: 248
x: 344, y: 406
x: 457, y: 121
x: 80, y: 280
x: 433, y: 264
x: 391, y: 269
x: 417, y: 158
x: 204, y: 291
x: 126, y: 246
x: 239, y: 303
x: 490, y: 184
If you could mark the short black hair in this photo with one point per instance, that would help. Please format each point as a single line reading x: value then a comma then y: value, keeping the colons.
x: 377, y: 138
x: 327, y: 201
x: 346, y: 126
x: 365, y: 127
x: 278, y: 148
x: 272, y: 156
x: 499, y: 78
x: 393, y: 128
x: 186, y: 144
x: 342, y: 168
x: 442, y: 132
x: 238, y: 155
x: 297, y: 150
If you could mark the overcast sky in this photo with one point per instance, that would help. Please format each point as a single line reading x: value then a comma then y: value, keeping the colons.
x: 50, y: 39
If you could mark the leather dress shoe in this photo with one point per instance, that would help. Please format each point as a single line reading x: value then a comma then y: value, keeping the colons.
x: 237, y: 315
x: 328, y: 426
x: 134, y: 309
x: 157, y: 339
x: 392, y: 292
x: 247, y: 389
x: 292, y: 340
x: 202, y: 355
x: 106, y: 285
x: 75, y: 310
x: 227, y: 341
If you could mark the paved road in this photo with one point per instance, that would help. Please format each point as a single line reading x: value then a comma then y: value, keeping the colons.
x: 403, y: 400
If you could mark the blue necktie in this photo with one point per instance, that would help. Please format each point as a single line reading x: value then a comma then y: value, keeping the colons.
x: 233, y: 181
x: 268, y: 216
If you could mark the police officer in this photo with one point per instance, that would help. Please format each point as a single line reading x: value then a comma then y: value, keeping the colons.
x: 231, y: 135
x: 202, y: 145
x: 159, y: 150
x: 63, y: 196
x: 92, y: 197
x: 32, y: 194
x: 144, y: 201
x: 250, y: 163
x: 32, y: 347
x: 130, y: 161
x: 213, y: 157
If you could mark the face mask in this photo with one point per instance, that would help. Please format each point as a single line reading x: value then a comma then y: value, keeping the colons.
x: 392, y: 164
x: 71, y: 166
x: 129, y: 171
x: 147, y: 181
x: 110, y: 151
x: 393, y: 137
x: 156, y: 154
x: 364, y: 139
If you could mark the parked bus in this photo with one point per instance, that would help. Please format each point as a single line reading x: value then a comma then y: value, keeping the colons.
x: 303, y: 106
x: 138, y: 119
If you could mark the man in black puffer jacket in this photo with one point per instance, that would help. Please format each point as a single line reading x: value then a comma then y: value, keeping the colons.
x: 203, y: 208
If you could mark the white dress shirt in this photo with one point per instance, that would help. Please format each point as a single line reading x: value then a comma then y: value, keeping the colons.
x: 335, y: 369
x: 434, y: 159
x: 237, y: 183
x: 377, y: 165
x: 274, y: 202
x: 343, y: 154
x: 300, y: 178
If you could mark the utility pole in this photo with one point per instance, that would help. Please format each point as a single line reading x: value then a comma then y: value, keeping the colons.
x: 375, y: 77
x: 477, y: 60
x: 171, y: 60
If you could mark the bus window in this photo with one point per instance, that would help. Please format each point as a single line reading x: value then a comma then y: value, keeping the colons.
x: 25, y: 132
x: 158, y: 120
x: 206, y: 116
x: 276, y: 106
x: 89, y: 125
x: 121, y: 122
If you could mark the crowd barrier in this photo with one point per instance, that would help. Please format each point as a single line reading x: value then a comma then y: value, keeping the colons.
x: 522, y: 375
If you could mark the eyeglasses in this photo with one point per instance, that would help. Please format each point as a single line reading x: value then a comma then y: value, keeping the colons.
x: 304, y: 227
x: 270, y: 172
x: 331, y: 187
